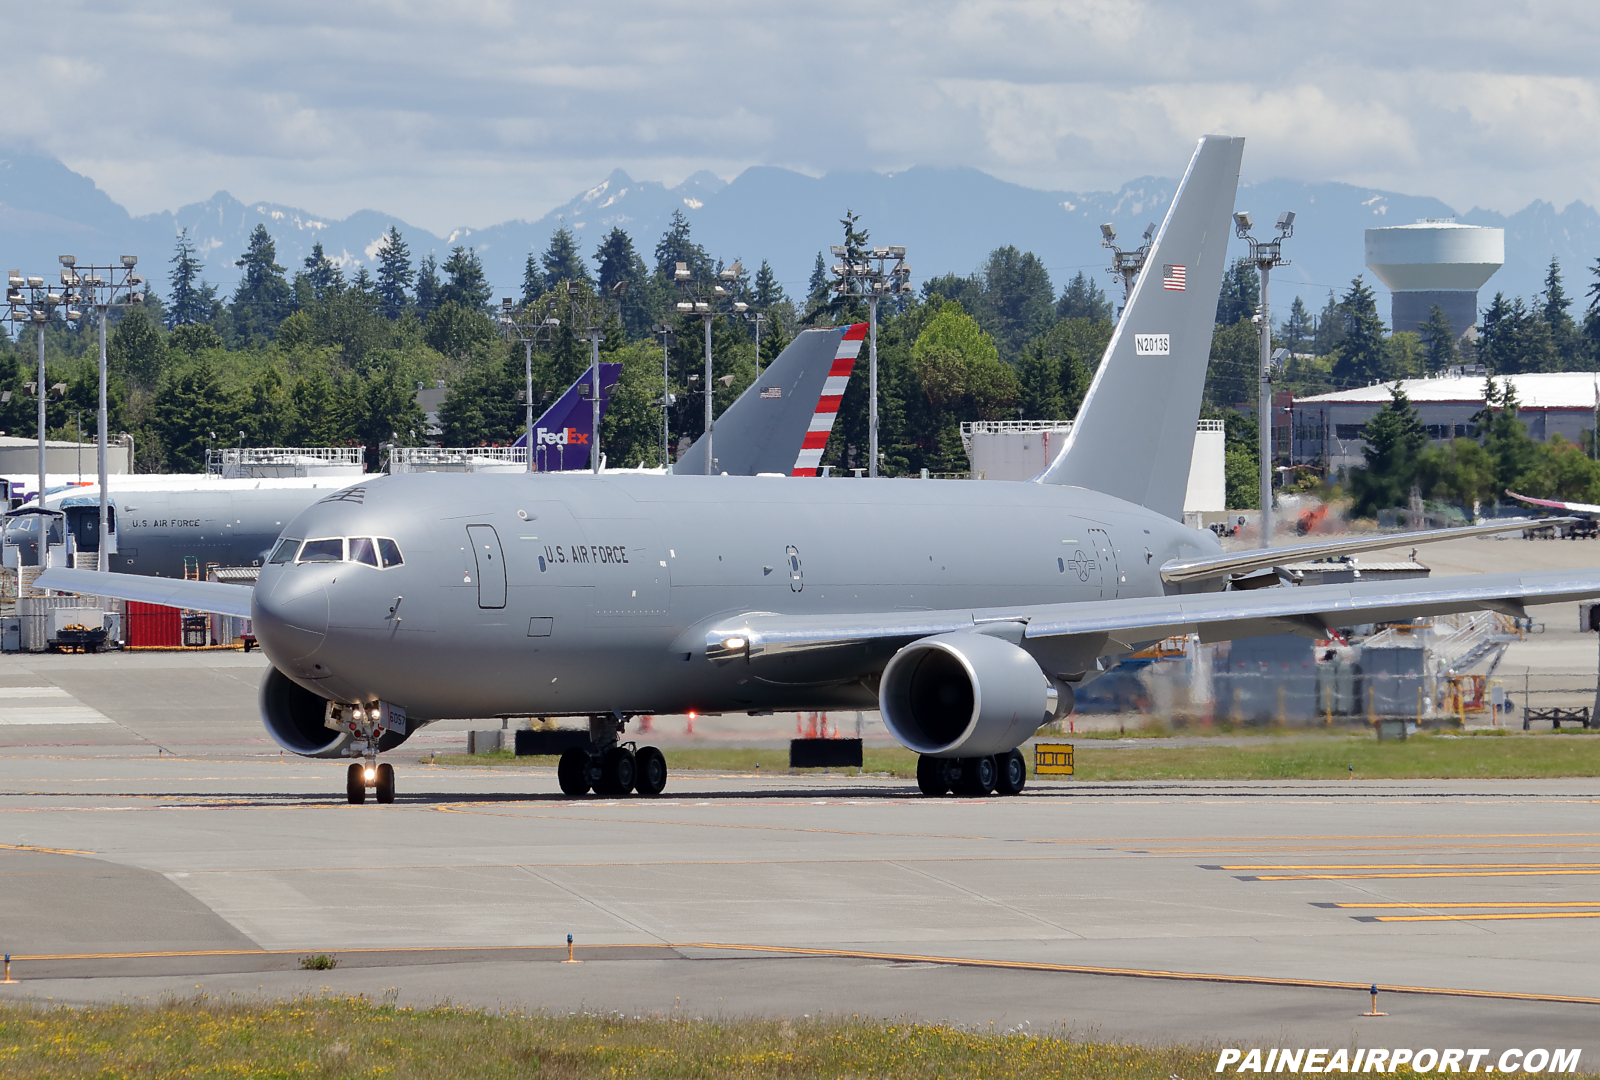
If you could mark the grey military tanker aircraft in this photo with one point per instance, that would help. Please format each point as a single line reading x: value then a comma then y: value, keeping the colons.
x: 966, y: 612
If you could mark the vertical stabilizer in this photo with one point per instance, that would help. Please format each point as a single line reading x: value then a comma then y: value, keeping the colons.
x: 1135, y: 432
x: 781, y: 423
x: 564, y: 434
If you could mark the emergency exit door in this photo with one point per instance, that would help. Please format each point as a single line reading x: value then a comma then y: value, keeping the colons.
x: 491, y: 565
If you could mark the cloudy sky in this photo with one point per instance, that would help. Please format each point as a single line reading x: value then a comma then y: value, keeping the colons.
x: 470, y: 113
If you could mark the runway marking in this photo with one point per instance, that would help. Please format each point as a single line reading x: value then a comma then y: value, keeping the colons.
x: 34, y: 692
x: 859, y: 954
x: 53, y: 714
x: 1419, y: 874
x: 1488, y: 917
x: 1414, y: 866
x: 44, y: 850
x: 1467, y: 904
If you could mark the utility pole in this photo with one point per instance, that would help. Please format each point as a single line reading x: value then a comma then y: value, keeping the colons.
x: 1126, y: 264
x: 757, y: 318
x: 858, y: 278
x: 707, y: 307
x: 588, y: 314
x: 521, y: 324
x: 667, y: 400
x: 1265, y: 254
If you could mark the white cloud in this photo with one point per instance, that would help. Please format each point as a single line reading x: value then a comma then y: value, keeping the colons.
x: 451, y: 113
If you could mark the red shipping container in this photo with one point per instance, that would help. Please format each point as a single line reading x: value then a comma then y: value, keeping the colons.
x: 154, y: 625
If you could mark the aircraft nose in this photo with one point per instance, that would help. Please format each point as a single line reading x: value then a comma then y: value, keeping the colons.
x: 291, y: 616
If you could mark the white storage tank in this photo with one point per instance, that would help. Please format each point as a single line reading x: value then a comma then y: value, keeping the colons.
x: 1435, y: 262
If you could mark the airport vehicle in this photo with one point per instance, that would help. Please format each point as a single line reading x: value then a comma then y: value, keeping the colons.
x: 966, y: 612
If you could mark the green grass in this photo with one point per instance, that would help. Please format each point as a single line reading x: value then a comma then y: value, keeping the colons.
x: 354, y: 1037
x: 1433, y: 756
x: 1278, y: 755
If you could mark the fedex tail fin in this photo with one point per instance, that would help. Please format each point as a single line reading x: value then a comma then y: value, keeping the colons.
x: 781, y: 422
x: 1135, y: 432
x: 564, y: 434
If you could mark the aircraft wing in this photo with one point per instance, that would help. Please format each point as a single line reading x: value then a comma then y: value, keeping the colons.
x: 1238, y: 562
x: 1570, y: 507
x: 215, y: 597
x: 1132, y: 623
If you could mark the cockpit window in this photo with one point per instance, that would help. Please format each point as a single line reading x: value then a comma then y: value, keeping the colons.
x: 285, y: 551
x: 330, y: 550
x: 362, y: 551
x: 390, y: 552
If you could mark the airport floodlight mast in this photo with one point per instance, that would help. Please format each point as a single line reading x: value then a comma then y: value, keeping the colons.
x: 758, y: 318
x: 103, y: 288
x: 1126, y: 264
x: 871, y: 279
x: 665, y: 332
x: 708, y: 305
x: 587, y: 316
x: 527, y: 325
x: 1265, y: 254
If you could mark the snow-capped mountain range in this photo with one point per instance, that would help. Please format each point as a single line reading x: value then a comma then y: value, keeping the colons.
x: 948, y: 219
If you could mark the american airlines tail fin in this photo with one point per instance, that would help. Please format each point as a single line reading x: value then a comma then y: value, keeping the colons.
x: 781, y: 423
x: 1135, y: 432
x: 564, y: 434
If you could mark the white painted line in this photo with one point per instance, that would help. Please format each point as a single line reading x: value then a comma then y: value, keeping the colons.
x: 65, y: 714
x: 32, y: 692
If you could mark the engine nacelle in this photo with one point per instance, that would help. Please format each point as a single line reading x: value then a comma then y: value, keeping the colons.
x: 965, y: 695
x: 294, y: 716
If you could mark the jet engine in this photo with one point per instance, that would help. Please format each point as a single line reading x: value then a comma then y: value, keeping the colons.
x: 294, y: 718
x: 965, y: 695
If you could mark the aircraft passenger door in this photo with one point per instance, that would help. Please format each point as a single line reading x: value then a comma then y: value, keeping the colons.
x: 1106, y: 556
x: 491, y: 565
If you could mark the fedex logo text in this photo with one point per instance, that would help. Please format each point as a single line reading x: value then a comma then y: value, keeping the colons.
x: 564, y: 437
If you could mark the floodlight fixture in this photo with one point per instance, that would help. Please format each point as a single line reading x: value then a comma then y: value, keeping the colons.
x: 1243, y: 223
x: 130, y: 261
x: 684, y: 305
x: 836, y: 249
x: 35, y: 282
x: 1286, y: 223
x: 1108, y: 234
x: 681, y: 272
x: 68, y: 261
x: 740, y: 306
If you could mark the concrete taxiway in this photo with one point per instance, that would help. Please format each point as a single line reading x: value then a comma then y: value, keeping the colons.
x: 152, y: 842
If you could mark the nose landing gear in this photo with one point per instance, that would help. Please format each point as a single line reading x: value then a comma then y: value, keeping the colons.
x: 367, y: 723
x: 613, y: 767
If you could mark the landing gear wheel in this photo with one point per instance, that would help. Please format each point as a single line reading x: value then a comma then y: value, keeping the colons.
x: 931, y: 776
x: 355, y: 785
x: 572, y: 772
x: 978, y: 776
x: 617, y: 772
x: 650, y: 768
x: 385, y: 785
x: 1013, y: 773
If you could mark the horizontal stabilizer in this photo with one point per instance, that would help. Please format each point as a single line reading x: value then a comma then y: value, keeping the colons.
x: 1242, y: 562
x: 210, y: 596
x: 1569, y: 507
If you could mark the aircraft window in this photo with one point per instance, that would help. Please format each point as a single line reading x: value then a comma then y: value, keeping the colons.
x: 390, y: 552
x: 285, y: 551
x: 362, y: 551
x: 331, y: 550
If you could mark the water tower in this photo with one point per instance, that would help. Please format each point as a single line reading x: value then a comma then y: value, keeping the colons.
x: 1435, y: 262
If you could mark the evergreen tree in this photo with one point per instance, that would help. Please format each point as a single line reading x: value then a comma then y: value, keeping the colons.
x: 562, y: 261
x: 1019, y: 292
x: 623, y: 276
x: 817, y: 287
x: 1439, y: 339
x: 466, y: 287
x: 1240, y: 294
x: 1083, y: 299
x: 677, y: 246
x: 394, y: 274
x: 1297, y: 328
x: 362, y: 284
x: 769, y: 292
x: 322, y: 274
x: 1565, y: 343
x: 1360, y: 356
x: 135, y: 349
x: 190, y: 405
x: 192, y: 299
x: 427, y: 287
x: 532, y: 280
x: 263, y: 298
x: 1329, y: 331
x: 1395, y: 438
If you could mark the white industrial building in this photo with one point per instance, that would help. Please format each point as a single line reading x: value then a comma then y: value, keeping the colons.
x: 1327, y: 427
x: 1022, y: 449
x: 1434, y: 262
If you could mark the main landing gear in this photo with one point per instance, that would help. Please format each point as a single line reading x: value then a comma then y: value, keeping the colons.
x: 1005, y: 773
x: 611, y: 767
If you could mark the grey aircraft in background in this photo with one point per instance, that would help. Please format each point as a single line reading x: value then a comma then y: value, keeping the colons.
x: 158, y: 524
x: 966, y: 612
